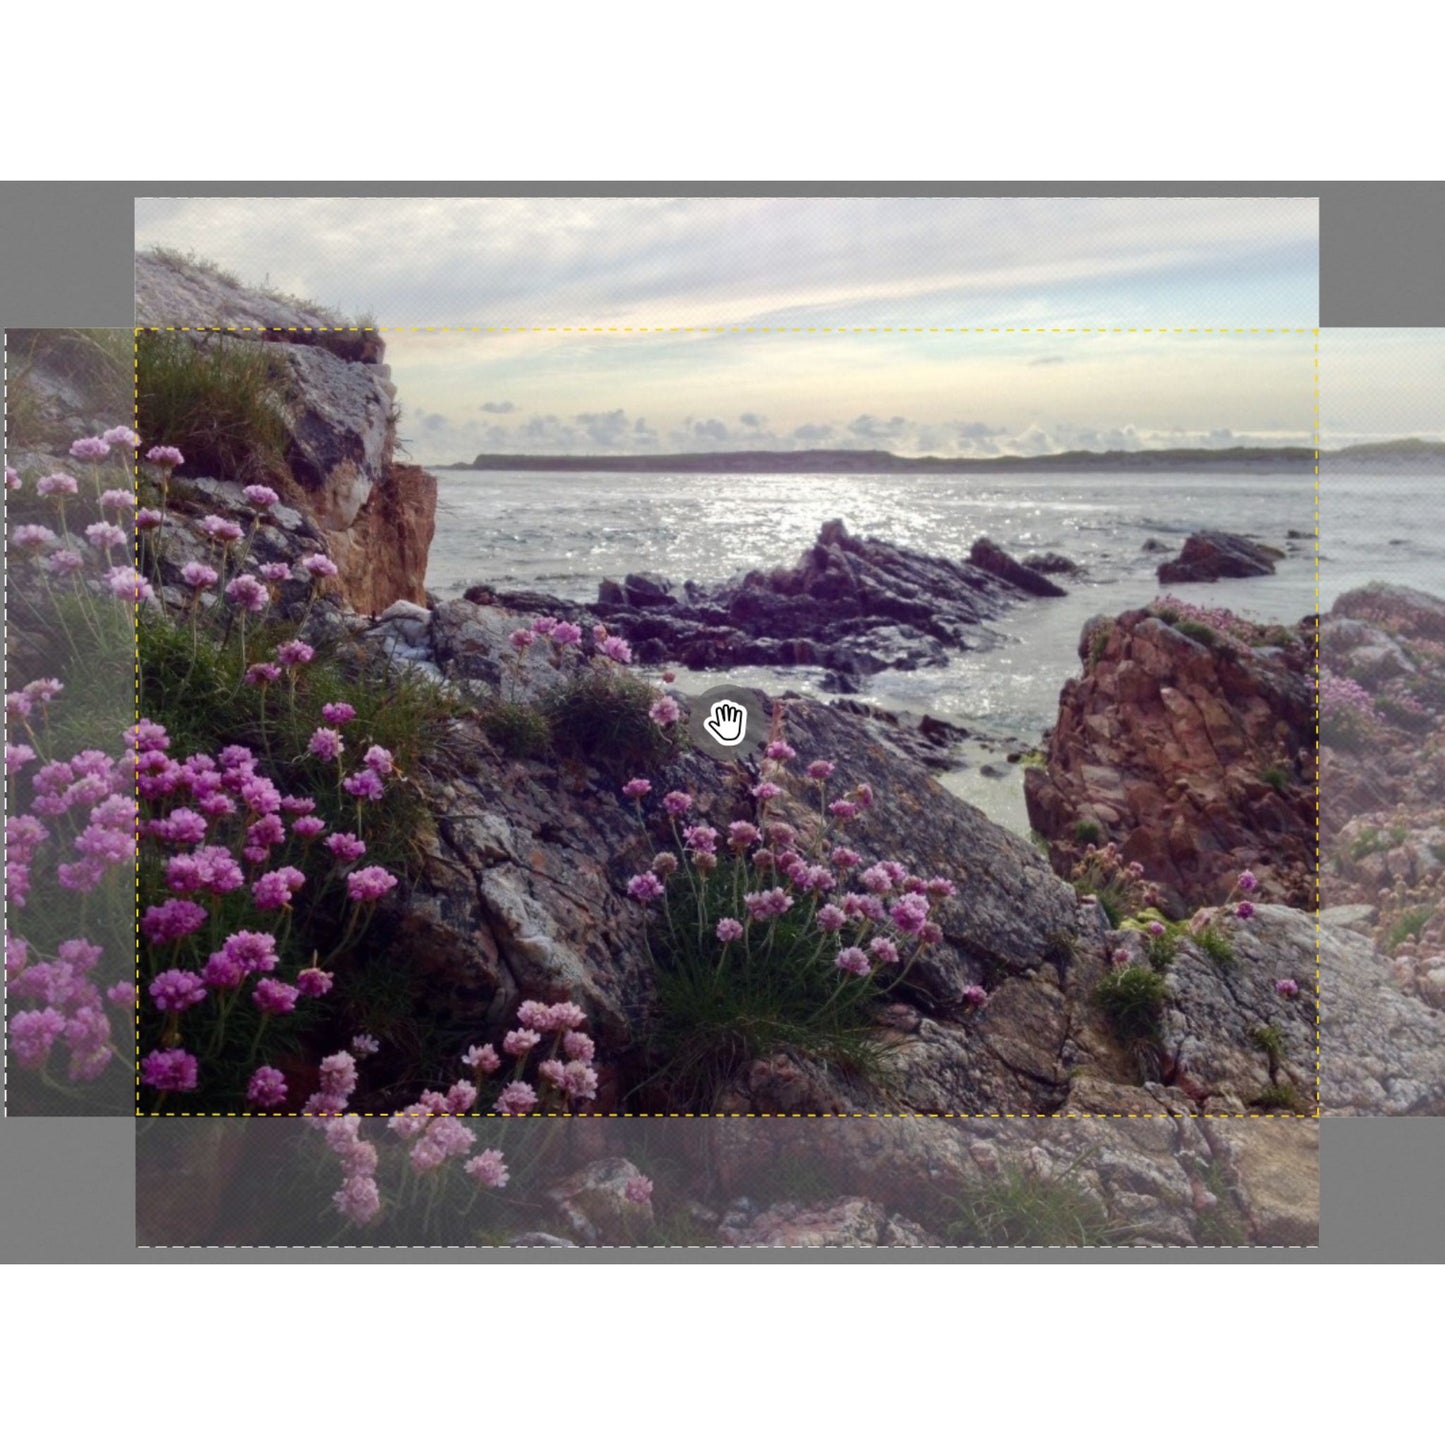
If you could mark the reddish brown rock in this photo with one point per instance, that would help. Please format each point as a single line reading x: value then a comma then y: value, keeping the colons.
x: 1196, y: 757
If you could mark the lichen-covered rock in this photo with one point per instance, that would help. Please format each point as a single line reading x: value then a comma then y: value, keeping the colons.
x: 840, y: 1224
x: 604, y: 1203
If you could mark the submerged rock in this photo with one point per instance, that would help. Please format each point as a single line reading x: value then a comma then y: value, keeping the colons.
x: 1208, y: 556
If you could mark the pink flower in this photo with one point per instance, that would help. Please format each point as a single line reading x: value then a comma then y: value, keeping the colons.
x: 120, y: 436
x: 319, y: 566
x: 171, y: 1071
x: 831, y: 918
x: 148, y: 518
x: 766, y: 792
x: 104, y: 536
x: 272, y: 996
x: 729, y: 929
x: 262, y: 673
x: 1247, y: 882
x: 701, y: 838
x: 855, y: 961
x: 275, y: 571
x: 1244, y: 909
x: 876, y: 879
x: 295, y: 653
x: 64, y: 563
x: 644, y: 887
x: 32, y: 1034
x: 338, y: 1075
x: 779, y: 751
x: 206, y: 870
x: 314, y: 982
x: 636, y: 788
x: 325, y: 744
x: 742, y: 836
x: 769, y: 903
x: 975, y: 996
x: 884, y: 950
x: 579, y: 1080
x: 176, y: 990
x: 566, y: 634
x: 90, y: 449
x: 910, y: 913
x: 275, y: 889
x: 198, y: 575
x: 364, y: 784
x: 338, y: 713
x: 347, y: 847
x: 461, y: 1096
x: 487, y: 1169
x: 175, y: 918
x: 308, y: 827
x: 117, y: 500
x: 821, y: 770
x: 578, y: 1046
x: 520, y: 1041
x: 366, y: 885
x: 260, y: 497
x: 267, y: 1088
x: 638, y: 1189
x: 380, y: 761
x: 57, y: 484
x: 664, y: 864
x: 843, y: 808
x: 522, y: 638
x: 167, y: 457
x: 220, y: 529
x: 516, y: 1098
x: 243, y: 953
x: 32, y: 538
x: 665, y: 711
x: 128, y: 585
x: 482, y: 1058
x: 248, y: 592
x: 675, y: 804
x: 553, y: 1072
x: 1286, y: 987
x: 364, y: 1046
x: 1156, y: 929
x: 358, y: 1199
x: 616, y: 649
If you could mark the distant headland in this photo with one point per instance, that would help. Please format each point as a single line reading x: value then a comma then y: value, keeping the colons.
x: 1410, y: 452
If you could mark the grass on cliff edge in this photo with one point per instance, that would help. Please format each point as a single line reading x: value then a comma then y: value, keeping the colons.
x: 219, y: 399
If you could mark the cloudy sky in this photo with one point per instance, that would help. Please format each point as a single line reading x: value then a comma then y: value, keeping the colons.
x: 900, y: 262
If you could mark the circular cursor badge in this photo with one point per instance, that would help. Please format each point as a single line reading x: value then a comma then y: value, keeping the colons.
x: 728, y: 722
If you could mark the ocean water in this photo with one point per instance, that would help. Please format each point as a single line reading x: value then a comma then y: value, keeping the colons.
x: 563, y: 533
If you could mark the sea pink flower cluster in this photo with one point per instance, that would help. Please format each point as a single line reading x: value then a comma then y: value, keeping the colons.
x: 565, y: 639
x: 865, y: 918
x: 553, y: 1045
x: 218, y: 833
x: 1349, y: 718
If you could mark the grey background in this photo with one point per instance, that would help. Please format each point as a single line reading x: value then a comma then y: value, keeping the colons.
x: 67, y: 1189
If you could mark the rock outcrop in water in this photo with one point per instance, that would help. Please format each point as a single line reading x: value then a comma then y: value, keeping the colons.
x: 1193, y: 749
x: 1209, y: 556
x: 851, y: 605
x: 337, y: 464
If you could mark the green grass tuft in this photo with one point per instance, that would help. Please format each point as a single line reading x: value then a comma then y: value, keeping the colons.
x: 219, y: 400
x: 1133, y: 1003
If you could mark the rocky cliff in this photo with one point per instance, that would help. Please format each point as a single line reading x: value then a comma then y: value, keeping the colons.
x: 329, y: 388
x: 1189, y: 740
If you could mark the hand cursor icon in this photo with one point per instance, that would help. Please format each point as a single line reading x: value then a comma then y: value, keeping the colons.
x: 727, y: 722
